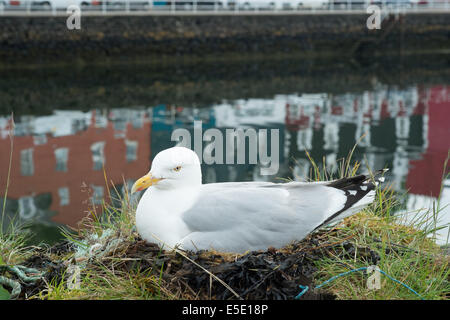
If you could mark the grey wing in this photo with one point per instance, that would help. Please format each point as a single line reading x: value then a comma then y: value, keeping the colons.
x: 251, y: 216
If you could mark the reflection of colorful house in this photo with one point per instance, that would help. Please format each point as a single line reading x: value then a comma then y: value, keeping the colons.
x: 395, y: 124
x: 69, y: 165
x: 425, y: 174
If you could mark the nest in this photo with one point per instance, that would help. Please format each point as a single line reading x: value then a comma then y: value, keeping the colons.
x: 271, y: 274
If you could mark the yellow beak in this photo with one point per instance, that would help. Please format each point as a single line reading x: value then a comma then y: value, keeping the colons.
x: 144, y: 182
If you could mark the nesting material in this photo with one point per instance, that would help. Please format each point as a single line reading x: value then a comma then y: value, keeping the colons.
x: 271, y: 274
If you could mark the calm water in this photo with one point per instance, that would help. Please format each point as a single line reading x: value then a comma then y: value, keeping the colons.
x: 69, y: 122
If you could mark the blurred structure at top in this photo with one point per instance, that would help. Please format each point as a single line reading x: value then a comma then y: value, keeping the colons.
x: 55, y: 7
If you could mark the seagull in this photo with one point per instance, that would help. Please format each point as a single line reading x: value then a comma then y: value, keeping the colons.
x: 236, y: 217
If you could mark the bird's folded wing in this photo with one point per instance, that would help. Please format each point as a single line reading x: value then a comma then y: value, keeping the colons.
x: 259, y: 214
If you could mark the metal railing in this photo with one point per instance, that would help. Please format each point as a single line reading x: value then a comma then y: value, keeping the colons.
x: 143, y: 7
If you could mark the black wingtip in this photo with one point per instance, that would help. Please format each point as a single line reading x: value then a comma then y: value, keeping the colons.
x: 358, y: 180
x: 355, y: 189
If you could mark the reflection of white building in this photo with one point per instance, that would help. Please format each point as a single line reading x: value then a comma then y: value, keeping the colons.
x: 121, y: 117
x: 419, y: 210
x: 249, y: 112
x: 400, y: 168
x: 61, y: 123
x: 66, y: 123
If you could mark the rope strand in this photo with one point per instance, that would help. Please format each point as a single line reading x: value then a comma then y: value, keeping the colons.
x: 306, y: 288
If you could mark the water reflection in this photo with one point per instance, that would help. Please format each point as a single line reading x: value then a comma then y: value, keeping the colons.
x: 58, y: 159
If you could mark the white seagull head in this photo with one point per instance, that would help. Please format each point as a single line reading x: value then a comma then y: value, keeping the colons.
x: 176, y: 167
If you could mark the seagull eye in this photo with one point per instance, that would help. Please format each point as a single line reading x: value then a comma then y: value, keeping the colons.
x: 177, y: 168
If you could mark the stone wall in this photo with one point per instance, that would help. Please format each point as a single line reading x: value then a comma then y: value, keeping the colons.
x: 37, y: 39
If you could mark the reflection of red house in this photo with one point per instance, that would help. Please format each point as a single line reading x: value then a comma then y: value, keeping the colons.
x: 80, y: 166
x: 384, y: 113
x: 296, y: 123
x: 421, y: 107
x: 401, y: 110
x: 424, y: 176
x: 367, y: 116
x: 337, y: 110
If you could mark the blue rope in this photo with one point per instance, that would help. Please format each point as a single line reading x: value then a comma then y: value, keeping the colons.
x: 306, y: 288
x: 403, y: 284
